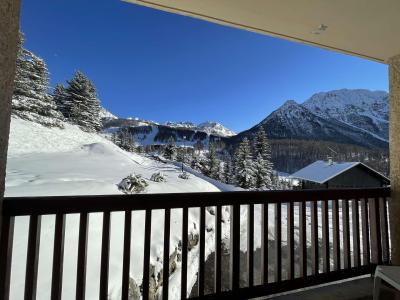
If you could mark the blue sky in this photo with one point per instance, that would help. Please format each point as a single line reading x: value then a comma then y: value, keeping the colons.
x: 165, y: 67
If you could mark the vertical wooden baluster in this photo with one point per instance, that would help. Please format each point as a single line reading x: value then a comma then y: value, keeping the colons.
x: 264, y: 243
x: 250, y: 244
x: 375, y: 231
x: 146, y: 256
x: 184, y: 252
x: 314, y: 238
x: 336, y: 235
x: 217, y: 266
x: 82, y: 257
x: 58, y: 257
x: 202, y: 244
x: 32, y: 259
x: 356, y: 233
x: 235, y: 246
x: 325, y: 236
x: 290, y: 239
x: 167, y: 232
x: 6, y: 246
x: 126, y: 255
x: 105, y: 253
x: 278, y: 240
x: 346, y: 234
x: 384, y: 229
x: 387, y: 217
x: 303, y: 239
x: 365, y: 231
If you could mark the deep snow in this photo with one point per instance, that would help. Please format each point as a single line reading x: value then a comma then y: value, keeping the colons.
x: 52, y: 161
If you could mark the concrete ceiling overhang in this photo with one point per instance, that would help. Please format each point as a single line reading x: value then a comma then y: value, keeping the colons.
x: 365, y: 28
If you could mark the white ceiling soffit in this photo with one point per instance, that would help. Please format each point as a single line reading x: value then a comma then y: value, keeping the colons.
x: 364, y: 28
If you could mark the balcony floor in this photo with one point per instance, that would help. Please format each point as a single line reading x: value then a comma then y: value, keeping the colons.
x: 356, y: 289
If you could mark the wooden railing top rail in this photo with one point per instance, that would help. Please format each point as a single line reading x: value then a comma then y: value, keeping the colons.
x: 20, y: 206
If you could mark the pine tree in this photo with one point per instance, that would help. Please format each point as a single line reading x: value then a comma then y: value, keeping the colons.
x: 228, y: 171
x: 244, y: 165
x: 195, y: 163
x: 170, y: 149
x: 262, y: 179
x: 60, y: 99
x: 31, y: 100
x: 123, y: 138
x: 220, y: 176
x: 212, y: 162
x: 263, y: 167
x: 81, y: 104
x: 180, y: 156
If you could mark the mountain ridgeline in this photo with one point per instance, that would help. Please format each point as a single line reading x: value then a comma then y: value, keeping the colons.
x: 184, y: 133
x: 346, y: 124
x: 349, y: 125
x: 344, y: 116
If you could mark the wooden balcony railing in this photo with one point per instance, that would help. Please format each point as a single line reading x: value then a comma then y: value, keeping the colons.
x: 328, y: 206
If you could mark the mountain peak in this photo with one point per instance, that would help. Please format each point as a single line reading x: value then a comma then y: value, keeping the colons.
x: 215, y: 128
x: 289, y: 103
x: 360, y: 108
x: 345, y: 116
x: 105, y: 114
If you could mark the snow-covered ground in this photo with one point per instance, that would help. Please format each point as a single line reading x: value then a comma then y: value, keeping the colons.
x: 52, y: 161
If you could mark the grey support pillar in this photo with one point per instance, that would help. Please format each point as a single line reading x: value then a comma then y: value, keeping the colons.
x: 394, y: 145
x: 9, y: 26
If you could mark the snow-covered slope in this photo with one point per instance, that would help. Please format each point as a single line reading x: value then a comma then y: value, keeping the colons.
x: 52, y: 161
x: 364, y: 109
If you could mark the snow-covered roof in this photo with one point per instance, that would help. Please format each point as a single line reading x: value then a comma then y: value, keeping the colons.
x: 322, y: 171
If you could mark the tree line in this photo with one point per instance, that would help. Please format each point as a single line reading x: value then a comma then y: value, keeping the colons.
x: 76, y: 102
x: 249, y: 167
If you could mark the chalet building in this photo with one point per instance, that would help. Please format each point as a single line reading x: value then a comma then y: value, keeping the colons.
x: 328, y: 174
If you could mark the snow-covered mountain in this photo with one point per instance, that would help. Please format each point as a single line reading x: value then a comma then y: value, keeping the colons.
x: 215, y: 129
x: 184, y: 133
x: 185, y: 124
x: 208, y: 127
x: 105, y: 114
x: 293, y: 121
x: 357, y: 117
x: 363, y: 109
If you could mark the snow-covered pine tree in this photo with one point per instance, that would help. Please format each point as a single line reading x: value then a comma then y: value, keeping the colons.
x: 195, y: 162
x: 124, y: 139
x: 180, y: 155
x: 228, y: 171
x: 263, y: 167
x: 170, y: 149
x: 82, y: 105
x: 60, y: 99
x: 212, y: 162
x: 31, y: 100
x: 262, y: 179
x: 244, y: 165
x: 220, y: 176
